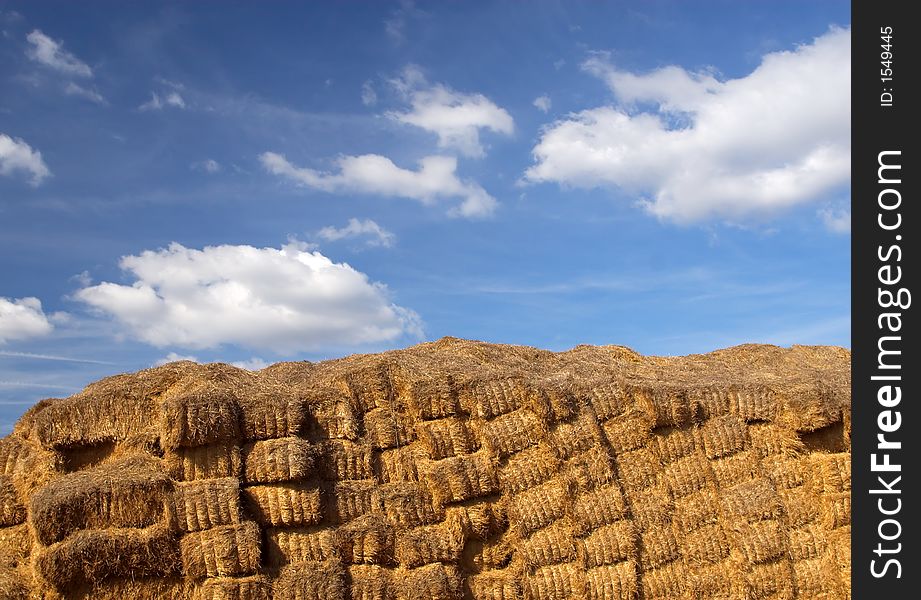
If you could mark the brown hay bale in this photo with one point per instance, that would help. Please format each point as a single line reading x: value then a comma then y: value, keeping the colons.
x: 612, y: 581
x: 610, y: 544
x: 651, y: 506
x: 312, y: 581
x: 532, y: 466
x: 491, y: 554
x: 801, y: 506
x: 273, y: 412
x: 433, y: 397
x: 285, y: 504
x: 591, y: 510
x: 836, y: 510
x: 769, y: 439
x: 639, y: 468
x: 722, y: 436
x: 807, y: 542
x: 463, y: 478
x: 658, y: 545
x: 254, y: 587
x: 28, y: 465
x: 278, y: 460
x: 13, y: 586
x: 696, y: 510
x: 442, y: 543
x: 495, y: 585
x: 758, y: 404
x: 198, y: 414
x: 86, y: 419
x: 15, y: 546
x: 753, y: 500
x: 539, y: 506
x: 370, y: 385
x: 673, y: 443
x: 512, y: 432
x: 349, y: 500
x: 332, y: 417
x: 709, y: 402
x: 366, y: 540
x: 223, y: 551
x: 431, y: 582
x: 480, y: 520
x: 490, y: 398
x: 718, y: 580
x: 388, y: 428
x: 444, y: 438
x: 146, y: 588
x: 785, y: 472
x: 12, y: 512
x: 408, y: 504
x: 556, y: 582
x: 90, y: 556
x: 590, y: 469
x: 833, y: 470
x: 370, y: 582
x: 811, y: 579
x: 707, y: 544
x: 204, y: 462
x: 342, y: 459
x: 672, y: 407
x: 551, y: 545
x: 665, y: 582
x: 204, y: 504
x: 129, y: 493
x: 611, y: 400
x: 628, y: 431
x: 285, y: 546
x: 688, y: 475
x: 736, y: 468
x: 401, y: 464
x: 760, y: 541
x: 771, y: 580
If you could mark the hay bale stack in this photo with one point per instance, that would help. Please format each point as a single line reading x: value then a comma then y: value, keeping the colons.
x: 449, y: 470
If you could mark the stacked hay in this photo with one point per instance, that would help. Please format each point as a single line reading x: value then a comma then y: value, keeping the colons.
x: 445, y: 471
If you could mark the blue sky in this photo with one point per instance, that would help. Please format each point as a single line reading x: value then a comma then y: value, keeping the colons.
x: 252, y: 183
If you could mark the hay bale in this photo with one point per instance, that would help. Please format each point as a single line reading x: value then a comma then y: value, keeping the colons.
x: 658, y: 546
x: 113, y: 414
x: 312, y: 580
x: 512, y: 432
x: 754, y: 404
x: 463, y: 477
x: 370, y: 582
x: 285, y: 546
x: 530, y: 467
x: 228, y: 550
x: 332, y: 416
x: 371, y: 386
x: 610, y: 399
x: 672, y: 407
x: 254, y: 587
x: 769, y: 439
x: 770, y: 580
x: 760, y: 541
x: 431, y: 582
x: 665, y: 582
x: 448, y: 437
x: 146, y: 588
x: 834, y: 472
x: 386, y: 427
x: 539, y: 506
x: 651, y: 506
x: 408, y: 504
x: 495, y: 585
x: 204, y: 462
x: 480, y: 520
x: 610, y: 544
x: 198, y: 413
x: 556, y: 582
x: 90, y: 556
x: 753, y: 500
x: 574, y: 437
x: 639, y: 468
x: 15, y: 546
x: 367, y: 540
x: 836, y: 510
x: 13, y: 586
x: 722, y: 436
x: 419, y: 546
x: 432, y: 397
x: 198, y: 505
x: 616, y: 581
x: 696, y: 510
x: 718, y: 580
x: 688, y: 475
x: 273, y: 412
x: 673, y: 443
x: 342, y: 459
x: 807, y: 542
x: 490, y: 398
x: 278, y: 460
x: 604, y: 506
x: 349, y: 500
x: 736, y: 468
x: 551, y: 545
x: 285, y: 504
x: 12, y: 512
x: 707, y: 544
x: 801, y: 505
x: 28, y: 465
x: 128, y: 493
x: 401, y: 464
x: 590, y: 469
x: 628, y: 431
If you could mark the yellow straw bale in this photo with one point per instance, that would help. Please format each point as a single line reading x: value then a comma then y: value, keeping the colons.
x: 197, y: 415
x: 15, y: 546
x: 610, y: 399
x: 86, y: 419
x: 285, y: 504
x: 610, y: 544
x: 556, y: 582
x: 490, y: 398
x: 666, y: 582
x: 539, y: 506
x: 430, y: 582
x: 444, y: 438
x: 651, y: 506
x: 285, y: 546
x: 367, y: 540
x: 312, y: 580
x: 401, y: 464
x: 371, y: 582
x: 834, y: 471
x: 349, y: 500
x: 512, y: 432
x: 332, y: 416
x: 755, y: 404
x: 696, y: 510
x: 760, y: 541
x: 408, y: 504
x: 223, y: 551
x: 688, y: 475
x: 495, y: 585
x: 551, y: 545
x: 12, y: 512
x: 639, y: 468
x: 673, y: 443
x: 807, y: 542
x: 590, y: 469
x: 591, y: 510
x: 433, y: 397
x: 616, y: 581
x: 769, y: 439
x: 801, y: 505
x: 388, y: 428
x: 530, y: 467
x: 343, y: 459
x: 480, y: 520
x: 371, y: 385
x: 278, y: 460
x: 254, y: 587
x: 419, y: 546
x: 672, y: 407
x: 753, y: 500
x: 707, y: 544
x: 204, y: 462
x: 628, y: 431
x: 463, y: 477
x: 836, y: 510
x: 721, y: 436
x: 658, y: 545
x: 736, y: 468
x: 272, y: 412
x: 207, y: 503
x: 718, y: 580
x: 772, y: 579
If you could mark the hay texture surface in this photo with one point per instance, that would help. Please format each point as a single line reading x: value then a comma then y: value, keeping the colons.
x: 450, y: 470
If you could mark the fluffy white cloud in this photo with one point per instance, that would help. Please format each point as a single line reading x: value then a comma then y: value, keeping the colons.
x: 91, y: 94
x: 284, y: 300
x: 697, y: 148
x: 21, y: 319
x: 543, y: 103
x: 157, y: 102
x: 373, y: 174
x: 836, y: 220
x: 17, y: 155
x: 454, y: 117
x: 50, y: 53
x: 377, y: 235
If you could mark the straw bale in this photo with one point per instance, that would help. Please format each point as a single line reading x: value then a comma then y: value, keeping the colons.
x: 651, y: 506
x: 20, y: 458
x: 388, y: 428
x: 557, y: 395
x: 349, y: 500
x: 129, y: 493
x: 86, y: 419
x: 254, y: 587
x: 551, y: 545
x: 696, y: 510
x: 769, y: 439
x: 146, y: 588
x: 610, y: 544
x: 444, y: 438
x: 760, y: 541
x: 197, y: 415
x: 343, y: 459
x: 666, y: 582
x: 807, y: 542
x: 658, y: 545
x: 278, y: 460
x: 272, y: 413
x: 12, y: 512
x: 401, y: 464
x: 221, y: 551
x: 314, y: 580
x: 814, y: 579
x: 332, y: 417
x: 688, y: 475
x: 512, y: 432
x: 610, y: 399
x: 463, y: 477
x: 836, y: 510
x: 672, y: 443
x: 753, y: 500
x: 367, y: 540
x: 496, y: 553
x: 204, y: 462
x: 433, y: 397
x: 722, y: 436
x: 442, y: 543
x: 591, y: 510
x: 773, y: 579
x: 285, y: 546
x: 539, y: 506
x: 371, y: 582
x: 612, y: 581
x: 13, y: 586
x: 370, y: 385
x: 532, y: 466
x: 736, y: 468
x: 628, y: 431
x: 93, y: 555
x: 709, y: 402
x: 15, y: 545
x: 717, y: 580
x: 495, y: 585
x: 786, y: 472
x: 480, y: 519
x: 556, y: 582
x: 408, y: 504
x: 490, y: 398
x: 839, y: 547
x: 639, y: 468
x: 590, y: 469
x: 204, y: 504
x: 672, y: 407
x: 834, y: 471
x: 757, y: 404
x: 430, y: 582
x: 285, y: 504
x: 705, y: 545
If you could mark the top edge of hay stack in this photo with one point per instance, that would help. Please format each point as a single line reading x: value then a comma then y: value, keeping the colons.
x: 449, y: 470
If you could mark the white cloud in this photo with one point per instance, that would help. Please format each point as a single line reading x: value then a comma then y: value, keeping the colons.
x: 73, y: 89
x: 252, y: 364
x: 284, y: 300
x: 157, y: 102
x: 50, y: 53
x: 373, y: 174
x: 22, y: 319
x: 543, y: 103
x: 696, y: 148
x: 368, y: 95
x: 17, y: 155
x: 377, y: 235
x: 836, y: 220
x: 454, y: 117
x: 174, y: 357
x: 208, y: 165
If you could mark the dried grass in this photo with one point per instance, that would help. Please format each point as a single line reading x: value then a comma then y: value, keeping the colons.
x: 285, y: 546
x: 198, y: 413
x: 312, y: 580
x: 228, y: 550
x: 254, y: 587
x: 15, y: 546
x: 612, y: 582
x: 495, y: 585
x: 555, y: 582
x: 204, y: 462
x: 370, y: 582
x: 198, y: 505
x: 342, y: 459
x: 12, y: 512
x: 285, y: 504
x: 431, y: 582
x: 408, y: 504
x: 388, y: 428
x: 272, y: 411
x: 278, y: 460
x: 366, y: 540
x: 418, y: 546
x: 463, y: 477
x: 444, y: 438
x: 539, y: 506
